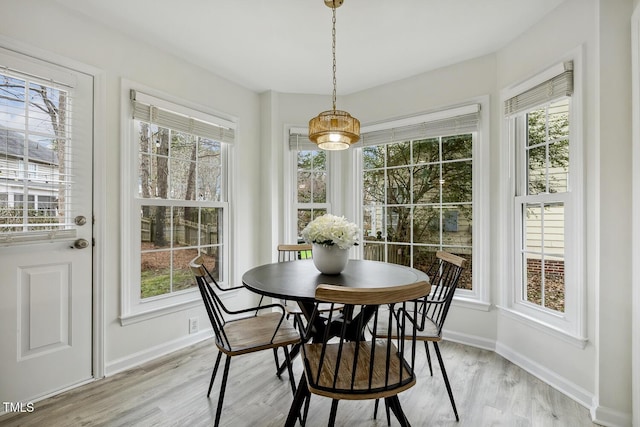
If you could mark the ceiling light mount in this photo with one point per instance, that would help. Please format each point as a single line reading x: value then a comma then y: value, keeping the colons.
x: 334, y: 129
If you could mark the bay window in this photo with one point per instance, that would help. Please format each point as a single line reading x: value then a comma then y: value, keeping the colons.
x: 542, y: 129
x: 421, y: 186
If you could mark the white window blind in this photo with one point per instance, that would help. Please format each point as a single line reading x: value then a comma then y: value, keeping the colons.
x: 453, y: 121
x: 150, y: 109
x: 36, y: 165
x: 547, y: 91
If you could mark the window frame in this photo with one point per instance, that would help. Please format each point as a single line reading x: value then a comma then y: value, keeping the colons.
x: 479, y: 297
x: 133, y: 307
x: 326, y: 205
x: 569, y: 326
x: 291, y: 204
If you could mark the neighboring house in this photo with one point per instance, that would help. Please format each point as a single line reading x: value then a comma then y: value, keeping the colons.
x: 32, y: 178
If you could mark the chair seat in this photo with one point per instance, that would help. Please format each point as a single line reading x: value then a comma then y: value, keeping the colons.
x: 254, y: 333
x: 427, y: 333
x: 399, y: 378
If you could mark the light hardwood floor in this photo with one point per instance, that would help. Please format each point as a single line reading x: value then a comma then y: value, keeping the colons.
x: 171, y: 391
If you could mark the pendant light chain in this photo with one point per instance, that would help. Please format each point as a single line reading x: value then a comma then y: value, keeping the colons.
x: 334, y: 129
x: 333, y: 52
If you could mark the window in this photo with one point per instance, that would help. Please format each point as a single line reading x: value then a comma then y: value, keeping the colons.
x: 311, y: 179
x: 546, y: 207
x: 178, y: 200
x: 35, y: 159
x: 418, y: 190
x: 311, y: 187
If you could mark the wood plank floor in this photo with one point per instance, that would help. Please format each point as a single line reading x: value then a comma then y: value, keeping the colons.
x: 171, y: 391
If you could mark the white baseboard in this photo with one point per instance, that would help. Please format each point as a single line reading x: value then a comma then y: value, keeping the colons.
x: 149, y: 354
x: 575, y: 392
x: 472, y: 340
x: 610, y: 417
x: 599, y: 414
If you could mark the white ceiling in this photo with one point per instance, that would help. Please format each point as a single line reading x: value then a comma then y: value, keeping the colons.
x: 285, y: 45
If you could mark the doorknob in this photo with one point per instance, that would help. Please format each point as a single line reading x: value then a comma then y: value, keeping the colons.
x: 80, y: 244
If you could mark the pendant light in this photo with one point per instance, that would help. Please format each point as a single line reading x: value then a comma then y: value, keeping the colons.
x: 334, y: 129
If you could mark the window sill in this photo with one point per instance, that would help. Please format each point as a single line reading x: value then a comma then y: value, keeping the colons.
x: 471, y: 303
x: 131, y: 318
x: 575, y: 340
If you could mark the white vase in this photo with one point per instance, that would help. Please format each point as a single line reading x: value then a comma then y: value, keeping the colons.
x: 329, y: 259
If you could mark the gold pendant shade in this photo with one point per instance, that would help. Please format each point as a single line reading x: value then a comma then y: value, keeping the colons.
x: 334, y: 130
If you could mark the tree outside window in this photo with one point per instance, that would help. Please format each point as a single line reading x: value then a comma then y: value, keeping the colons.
x: 311, y: 187
x: 417, y: 200
x: 179, y: 181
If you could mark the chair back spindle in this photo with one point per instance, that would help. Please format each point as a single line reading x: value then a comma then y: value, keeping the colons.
x: 350, y: 363
x: 242, y: 331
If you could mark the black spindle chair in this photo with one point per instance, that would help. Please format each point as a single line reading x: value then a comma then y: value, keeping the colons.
x: 352, y: 364
x: 444, y: 275
x: 257, y: 328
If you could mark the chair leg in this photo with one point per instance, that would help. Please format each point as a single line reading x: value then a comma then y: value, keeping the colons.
x: 446, y: 380
x: 426, y: 349
x: 386, y: 407
x: 307, y: 401
x: 334, y: 411
x: 223, y: 386
x: 213, y: 374
x: 394, y: 403
x: 299, y: 399
x: 388, y: 412
x: 290, y: 369
x: 275, y: 356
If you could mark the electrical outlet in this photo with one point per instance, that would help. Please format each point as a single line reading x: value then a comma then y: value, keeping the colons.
x: 193, y: 325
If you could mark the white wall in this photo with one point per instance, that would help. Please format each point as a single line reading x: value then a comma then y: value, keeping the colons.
x: 572, y: 26
x: 37, y: 26
x: 613, y: 301
x: 600, y: 372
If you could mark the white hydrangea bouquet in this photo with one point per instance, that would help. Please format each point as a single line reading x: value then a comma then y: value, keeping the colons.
x: 329, y: 230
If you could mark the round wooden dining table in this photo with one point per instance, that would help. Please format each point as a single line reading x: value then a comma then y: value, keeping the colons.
x: 297, y: 280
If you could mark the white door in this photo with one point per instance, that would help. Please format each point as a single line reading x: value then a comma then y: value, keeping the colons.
x: 46, y: 143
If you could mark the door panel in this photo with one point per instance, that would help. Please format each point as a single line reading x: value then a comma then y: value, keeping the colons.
x: 46, y: 282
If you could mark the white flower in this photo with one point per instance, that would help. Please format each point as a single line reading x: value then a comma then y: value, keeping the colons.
x: 331, y: 230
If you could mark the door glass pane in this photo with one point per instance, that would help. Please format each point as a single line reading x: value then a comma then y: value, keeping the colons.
x: 35, y: 160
